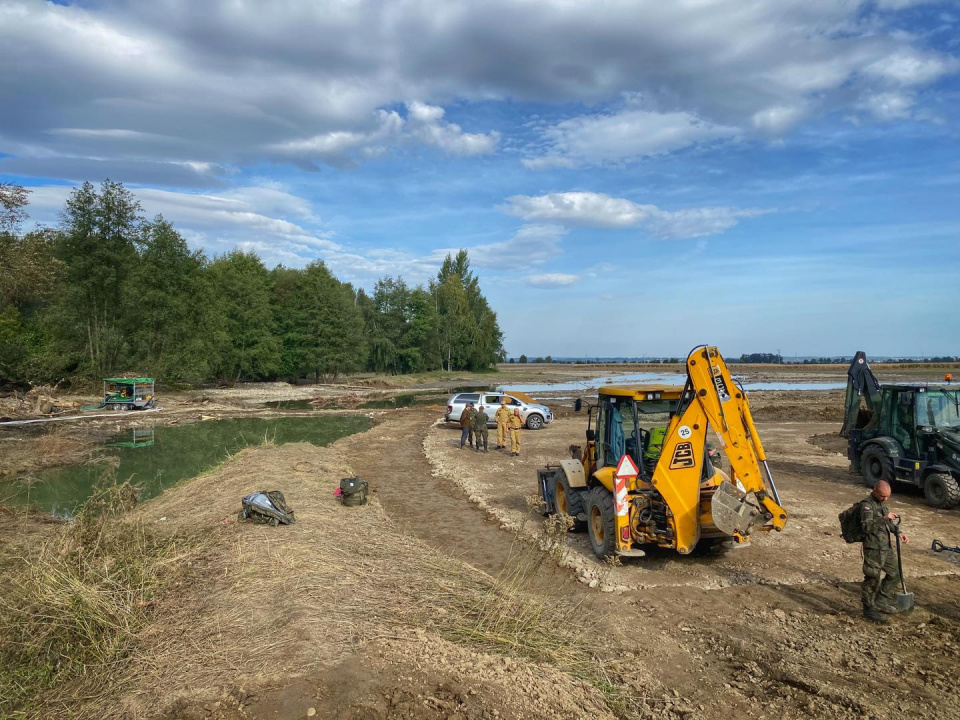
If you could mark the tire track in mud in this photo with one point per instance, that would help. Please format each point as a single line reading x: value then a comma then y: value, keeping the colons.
x: 390, y: 457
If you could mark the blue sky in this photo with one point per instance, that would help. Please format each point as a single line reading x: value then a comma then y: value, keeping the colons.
x: 629, y: 177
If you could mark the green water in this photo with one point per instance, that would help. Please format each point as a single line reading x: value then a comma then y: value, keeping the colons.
x: 156, y: 459
x: 290, y: 405
x: 406, y: 400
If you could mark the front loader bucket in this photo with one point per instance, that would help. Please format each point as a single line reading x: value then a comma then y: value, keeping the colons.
x: 731, y: 510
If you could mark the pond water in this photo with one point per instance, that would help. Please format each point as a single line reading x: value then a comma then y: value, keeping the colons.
x: 156, y: 458
x: 290, y: 405
x: 660, y: 379
x: 406, y: 400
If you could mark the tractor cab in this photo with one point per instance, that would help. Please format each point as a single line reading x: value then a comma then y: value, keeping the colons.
x: 912, y: 415
x: 633, y: 421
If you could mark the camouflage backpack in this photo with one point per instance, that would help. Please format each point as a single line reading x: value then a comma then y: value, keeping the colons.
x: 850, y: 528
x: 267, y: 508
x: 353, y: 491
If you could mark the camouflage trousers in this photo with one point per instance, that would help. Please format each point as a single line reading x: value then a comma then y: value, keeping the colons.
x: 481, y: 434
x: 880, y: 576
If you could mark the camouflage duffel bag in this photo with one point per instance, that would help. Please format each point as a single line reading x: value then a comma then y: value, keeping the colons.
x: 267, y: 508
x: 353, y: 491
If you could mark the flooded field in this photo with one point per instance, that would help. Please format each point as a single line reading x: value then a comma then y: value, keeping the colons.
x: 154, y: 459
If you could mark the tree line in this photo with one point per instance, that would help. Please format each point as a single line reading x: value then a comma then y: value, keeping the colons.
x: 108, y: 292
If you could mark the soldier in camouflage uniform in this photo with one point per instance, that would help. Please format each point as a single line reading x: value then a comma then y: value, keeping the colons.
x: 880, y: 572
x: 480, y: 428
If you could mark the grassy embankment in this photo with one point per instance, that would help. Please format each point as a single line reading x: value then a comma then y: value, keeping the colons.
x: 100, y: 607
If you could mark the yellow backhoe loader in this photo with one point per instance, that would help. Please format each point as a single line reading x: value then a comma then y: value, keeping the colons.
x: 644, y: 476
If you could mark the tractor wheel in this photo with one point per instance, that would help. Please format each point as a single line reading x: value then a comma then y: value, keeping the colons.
x: 534, y: 421
x: 875, y: 466
x: 601, y: 522
x: 569, y: 501
x: 118, y: 406
x: 941, y: 490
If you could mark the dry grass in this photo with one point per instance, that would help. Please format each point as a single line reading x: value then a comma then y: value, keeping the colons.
x: 70, y: 607
x: 55, y: 446
x: 108, y: 612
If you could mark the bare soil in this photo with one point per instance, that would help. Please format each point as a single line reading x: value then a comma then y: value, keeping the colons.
x: 360, y: 603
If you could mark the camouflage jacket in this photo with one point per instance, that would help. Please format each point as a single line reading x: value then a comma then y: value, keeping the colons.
x: 873, y: 521
x: 480, y: 419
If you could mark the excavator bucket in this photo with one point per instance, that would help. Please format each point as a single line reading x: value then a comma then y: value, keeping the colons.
x: 732, y: 511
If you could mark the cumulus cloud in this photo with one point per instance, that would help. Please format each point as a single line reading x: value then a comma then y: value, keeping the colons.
x: 424, y: 124
x: 229, y: 84
x: 588, y: 209
x: 624, y: 136
x: 530, y: 245
x: 551, y: 281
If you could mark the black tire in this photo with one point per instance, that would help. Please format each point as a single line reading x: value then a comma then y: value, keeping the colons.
x: 601, y: 522
x: 941, y: 490
x: 875, y: 466
x: 569, y: 501
x: 534, y: 421
x: 117, y: 407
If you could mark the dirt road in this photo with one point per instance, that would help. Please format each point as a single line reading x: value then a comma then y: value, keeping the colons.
x: 362, y: 603
x: 771, y: 629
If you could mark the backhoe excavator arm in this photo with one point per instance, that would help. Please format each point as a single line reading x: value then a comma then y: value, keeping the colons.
x: 716, y: 400
x: 861, y: 382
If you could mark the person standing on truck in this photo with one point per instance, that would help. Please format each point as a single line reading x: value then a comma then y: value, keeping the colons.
x: 880, y: 572
x: 502, y: 416
x: 516, y: 422
x: 480, y: 419
x: 466, y: 425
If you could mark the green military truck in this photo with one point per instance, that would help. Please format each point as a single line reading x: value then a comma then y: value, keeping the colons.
x: 905, y: 433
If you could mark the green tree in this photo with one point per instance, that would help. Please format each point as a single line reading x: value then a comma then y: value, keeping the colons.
x: 248, y: 348
x: 171, y: 321
x: 329, y: 324
x: 29, y: 275
x: 469, y: 336
x: 523, y: 358
x: 286, y: 285
x: 99, y: 232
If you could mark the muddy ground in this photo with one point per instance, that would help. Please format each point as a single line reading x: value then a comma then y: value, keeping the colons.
x: 362, y: 602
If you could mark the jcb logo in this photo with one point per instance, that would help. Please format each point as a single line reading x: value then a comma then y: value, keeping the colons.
x: 683, y: 456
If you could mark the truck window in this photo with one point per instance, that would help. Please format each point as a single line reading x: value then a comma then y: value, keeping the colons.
x: 468, y: 398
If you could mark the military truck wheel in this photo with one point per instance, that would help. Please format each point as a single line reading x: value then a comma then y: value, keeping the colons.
x: 569, y: 501
x: 534, y: 421
x: 875, y: 466
x: 941, y: 490
x: 601, y: 522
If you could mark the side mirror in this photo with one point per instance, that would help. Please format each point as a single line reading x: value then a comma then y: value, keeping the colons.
x: 578, y: 405
x: 591, y: 435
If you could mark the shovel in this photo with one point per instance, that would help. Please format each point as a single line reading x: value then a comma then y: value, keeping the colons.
x: 904, y: 599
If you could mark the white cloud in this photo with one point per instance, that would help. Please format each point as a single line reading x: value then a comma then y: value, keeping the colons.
x: 222, y: 83
x: 778, y: 119
x: 530, y: 245
x: 424, y: 125
x: 624, y: 136
x: 551, y: 280
x: 889, y: 105
x: 598, y: 210
x: 910, y: 68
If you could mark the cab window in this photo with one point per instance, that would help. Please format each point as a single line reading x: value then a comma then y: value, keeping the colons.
x: 617, y: 432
